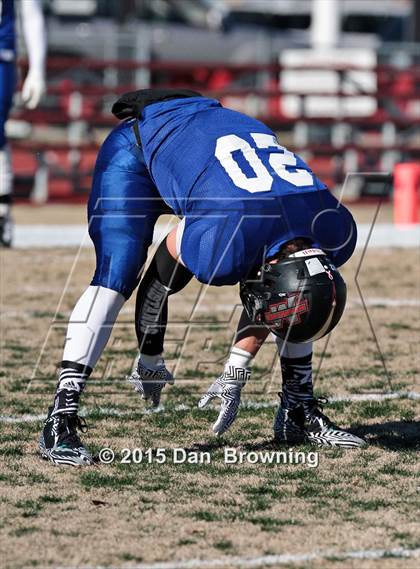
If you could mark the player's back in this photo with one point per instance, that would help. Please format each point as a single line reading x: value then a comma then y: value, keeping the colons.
x: 243, y: 195
x: 7, y: 30
x: 204, y: 157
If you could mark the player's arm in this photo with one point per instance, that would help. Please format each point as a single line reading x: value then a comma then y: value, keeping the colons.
x: 33, y: 27
x: 165, y: 276
x: 249, y: 339
x: 228, y: 386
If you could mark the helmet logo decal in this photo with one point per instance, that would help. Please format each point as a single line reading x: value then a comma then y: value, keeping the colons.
x: 314, y: 266
x: 287, y: 311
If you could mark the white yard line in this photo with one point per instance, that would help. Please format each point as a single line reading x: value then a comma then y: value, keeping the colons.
x: 274, y: 560
x: 30, y: 236
x: 383, y: 301
x: 246, y: 404
x: 45, y: 236
x: 352, y: 303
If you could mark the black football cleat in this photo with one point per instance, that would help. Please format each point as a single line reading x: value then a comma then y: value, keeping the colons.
x: 306, y: 423
x: 6, y: 231
x: 60, y: 442
x: 289, y: 424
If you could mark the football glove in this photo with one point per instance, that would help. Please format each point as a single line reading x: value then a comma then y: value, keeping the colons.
x: 150, y: 382
x: 33, y: 89
x: 228, y: 389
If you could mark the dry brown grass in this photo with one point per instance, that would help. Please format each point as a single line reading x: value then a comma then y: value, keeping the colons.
x: 123, y: 514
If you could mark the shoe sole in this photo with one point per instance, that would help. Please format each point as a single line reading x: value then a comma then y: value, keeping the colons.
x: 348, y: 441
x: 337, y: 441
x: 57, y: 458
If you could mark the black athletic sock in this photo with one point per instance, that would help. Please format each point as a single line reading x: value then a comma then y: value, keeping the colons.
x: 297, y: 380
x: 71, y: 382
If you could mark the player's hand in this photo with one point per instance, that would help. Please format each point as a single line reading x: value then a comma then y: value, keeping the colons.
x: 33, y: 89
x: 228, y: 389
x: 150, y: 382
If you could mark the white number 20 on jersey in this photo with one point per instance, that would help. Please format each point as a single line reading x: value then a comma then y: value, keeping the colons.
x: 262, y: 181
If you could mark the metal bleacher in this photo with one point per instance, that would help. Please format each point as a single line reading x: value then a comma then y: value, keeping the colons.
x: 54, y: 147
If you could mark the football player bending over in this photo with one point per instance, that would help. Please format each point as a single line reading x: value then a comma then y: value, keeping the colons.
x: 252, y: 212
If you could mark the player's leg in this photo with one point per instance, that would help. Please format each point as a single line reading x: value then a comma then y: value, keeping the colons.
x: 166, y: 275
x: 299, y: 417
x: 7, y: 85
x: 121, y: 229
x: 120, y: 259
x: 297, y: 392
x: 88, y: 331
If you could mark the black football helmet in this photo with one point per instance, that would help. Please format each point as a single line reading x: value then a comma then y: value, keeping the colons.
x: 300, y: 298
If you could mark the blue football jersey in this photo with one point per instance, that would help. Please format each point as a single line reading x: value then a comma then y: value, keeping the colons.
x: 205, y: 157
x: 243, y: 195
x: 7, y: 30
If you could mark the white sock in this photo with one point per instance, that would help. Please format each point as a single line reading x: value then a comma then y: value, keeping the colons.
x: 151, y: 362
x: 4, y: 209
x: 291, y: 350
x: 91, y: 324
x: 6, y: 178
x: 239, y: 358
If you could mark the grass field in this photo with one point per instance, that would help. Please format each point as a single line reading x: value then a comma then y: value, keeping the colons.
x: 123, y: 515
